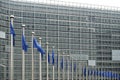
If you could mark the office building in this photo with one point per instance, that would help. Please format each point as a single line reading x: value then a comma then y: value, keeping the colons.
x: 71, y: 27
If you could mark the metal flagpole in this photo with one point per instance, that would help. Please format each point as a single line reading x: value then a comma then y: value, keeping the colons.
x: 68, y: 67
x: 47, y: 59
x: 86, y: 72
x: 63, y: 67
x: 76, y: 69
x: 79, y: 72
x: 40, y: 71
x: 32, y: 57
x: 23, y: 56
x: 58, y: 65
x: 53, y: 71
x: 82, y: 72
x: 11, y: 56
x: 53, y: 66
x: 72, y: 68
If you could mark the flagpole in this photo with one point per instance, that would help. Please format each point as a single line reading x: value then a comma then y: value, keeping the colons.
x: 53, y: 66
x: 53, y: 71
x: 47, y: 59
x: 23, y: 56
x: 12, y: 54
x: 76, y: 69
x: 58, y: 65
x: 72, y: 68
x: 79, y: 72
x: 63, y: 66
x: 86, y: 72
x: 32, y: 57
x: 68, y: 66
x: 40, y: 71
x: 82, y: 72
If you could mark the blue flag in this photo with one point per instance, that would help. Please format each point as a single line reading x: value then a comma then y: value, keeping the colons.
x: 106, y: 74
x: 71, y: 66
x: 74, y: 67
x: 61, y: 63
x: 102, y: 73
x: 66, y: 64
x: 57, y: 61
x: 84, y: 71
x: 113, y: 75
x: 97, y: 72
x: 37, y: 45
x: 90, y: 72
x: 48, y: 58
x: 24, y: 44
x: 110, y: 74
x: 94, y: 72
x: 52, y: 57
x: 12, y: 32
x: 116, y: 76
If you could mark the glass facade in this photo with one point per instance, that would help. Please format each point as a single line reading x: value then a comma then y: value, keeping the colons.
x: 72, y: 29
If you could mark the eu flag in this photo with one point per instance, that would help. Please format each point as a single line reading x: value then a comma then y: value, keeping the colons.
x: 84, y: 71
x: 90, y: 71
x: 12, y: 32
x: 53, y: 57
x: 74, y: 67
x: 37, y: 45
x: 24, y: 44
x: 110, y: 74
x: 97, y: 72
x: 71, y: 65
x: 66, y: 64
x: 61, y: 63
x: 57, y: 61
x: 94, y: 72
x: 48, y: 58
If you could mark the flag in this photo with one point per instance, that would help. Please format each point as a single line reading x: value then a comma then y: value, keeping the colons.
x: 48, y: 58
x: 71, y: 66
x: 116, y: 76
x: 113, y: 75
x: 61, y: 63
x: 94, y: 72
x: 110, y: 74
x: 102, y: 73
x: 74, y: 67
x: 97, y: 72
x: 53, y: 57
x: 90, y: 72
x: 24, y: 44
x: 57, y: 61
x: 38, y: 46
x: 84, y: 71
x: 66, y: 64
x: 12, y: 32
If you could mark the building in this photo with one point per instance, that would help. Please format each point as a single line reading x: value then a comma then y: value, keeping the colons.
x: 72, y: 28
